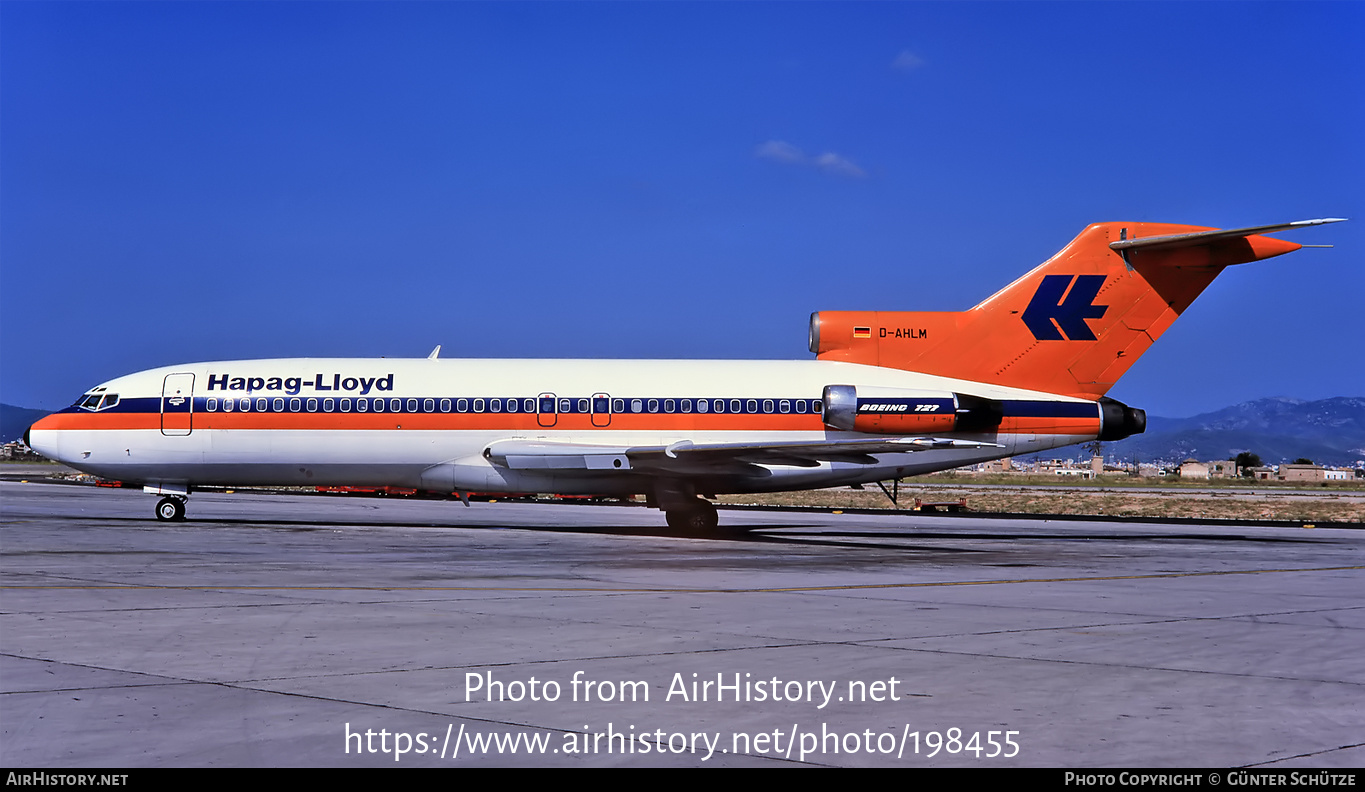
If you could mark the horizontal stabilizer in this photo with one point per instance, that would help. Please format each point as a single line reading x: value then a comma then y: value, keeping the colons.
x: 1205, y: 237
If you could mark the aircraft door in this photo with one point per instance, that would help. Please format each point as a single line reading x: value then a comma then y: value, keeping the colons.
x: 546, y: 411
x: 601, y: 410
x: 177, y: 405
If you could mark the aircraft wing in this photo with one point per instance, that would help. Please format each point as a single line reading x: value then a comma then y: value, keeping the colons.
x: 688, y: 458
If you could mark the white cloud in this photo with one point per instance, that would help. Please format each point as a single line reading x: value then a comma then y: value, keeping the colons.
x: 829, y: 162
x: 907, y: 61
x: 780, y: 150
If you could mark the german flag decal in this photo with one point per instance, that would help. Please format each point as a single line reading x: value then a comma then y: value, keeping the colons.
x: 862, y: 332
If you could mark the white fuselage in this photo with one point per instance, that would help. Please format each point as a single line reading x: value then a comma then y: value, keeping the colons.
x: 394, y: 422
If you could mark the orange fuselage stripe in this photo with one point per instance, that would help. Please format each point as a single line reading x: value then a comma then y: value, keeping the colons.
x: 516, y: 422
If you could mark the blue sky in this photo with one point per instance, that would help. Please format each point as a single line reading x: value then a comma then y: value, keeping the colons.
x: 195, y: 181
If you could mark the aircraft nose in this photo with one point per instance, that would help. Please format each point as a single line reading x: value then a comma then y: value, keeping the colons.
x: 37, y: 433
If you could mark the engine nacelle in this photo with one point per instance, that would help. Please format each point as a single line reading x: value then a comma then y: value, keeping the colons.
x: 1120, y: 420
x: 895, y: 411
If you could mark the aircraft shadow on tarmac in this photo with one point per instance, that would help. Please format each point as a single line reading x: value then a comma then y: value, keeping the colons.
x: 771, y: 533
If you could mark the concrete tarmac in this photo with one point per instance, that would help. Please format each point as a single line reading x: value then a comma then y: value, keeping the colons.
x: 273, y: 630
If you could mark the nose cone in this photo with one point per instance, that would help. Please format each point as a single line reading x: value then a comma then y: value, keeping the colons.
x: 42, y: 439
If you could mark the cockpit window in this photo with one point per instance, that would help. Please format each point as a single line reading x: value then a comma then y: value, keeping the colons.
x: 91, y: 401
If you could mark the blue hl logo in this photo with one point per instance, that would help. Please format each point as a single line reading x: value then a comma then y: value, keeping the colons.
x: 1047, y: 308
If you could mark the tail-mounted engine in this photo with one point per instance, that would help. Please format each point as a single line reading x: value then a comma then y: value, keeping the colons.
x: 1119, y: 420
x: 894, y: 411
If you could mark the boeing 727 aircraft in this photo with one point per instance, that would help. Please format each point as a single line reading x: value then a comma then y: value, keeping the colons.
x: 890, y: 394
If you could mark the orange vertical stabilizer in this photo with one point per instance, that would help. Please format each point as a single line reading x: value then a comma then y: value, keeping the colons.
x: 1073, y: 325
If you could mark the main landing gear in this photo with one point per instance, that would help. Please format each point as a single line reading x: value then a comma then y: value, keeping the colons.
x: 696, y: 516
x: 170, y: 509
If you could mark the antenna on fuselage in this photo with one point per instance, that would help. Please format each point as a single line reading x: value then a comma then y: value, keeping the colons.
x: 435, y: 353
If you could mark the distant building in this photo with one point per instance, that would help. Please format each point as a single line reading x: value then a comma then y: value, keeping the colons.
x: 1086, y: 473
x: 1194, y: 469
x: 1302, y: 473
x: 16, y: 451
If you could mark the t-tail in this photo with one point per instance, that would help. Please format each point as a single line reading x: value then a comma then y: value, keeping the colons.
x: 1073, y: 325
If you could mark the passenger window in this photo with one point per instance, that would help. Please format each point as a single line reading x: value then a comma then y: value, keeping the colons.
x: 412, y: 405
x: 462, y: 405
x: 735, y: 405
x: 345, y: 405
x: 227, y: 405
x: 816, y: 406
x: 668, y: 405
x: 653, y: 405
x: 277, y: 405
x: 328, y: 405
x: 478, y: 405
x: 751, y: 406
x: 445, y: 405
x: 395, y: 405
x: 618, y: 405
x: 767, y: 405
x: 261, y: 405
x: 312, y: 405
x: 784, y: 406
x: 703, y: 405
x: 582, y: 405
x: 528, y: 405
x: 211, y: 405
x: 379, y: 405
x: 686, y: 405
x: 428, y: 405
x: 801, y: 405
x: 361, y: 405
x: 565, y: 406
x: 636, y: 405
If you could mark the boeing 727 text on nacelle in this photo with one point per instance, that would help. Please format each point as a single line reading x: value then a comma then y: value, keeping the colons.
x: 890, y: 394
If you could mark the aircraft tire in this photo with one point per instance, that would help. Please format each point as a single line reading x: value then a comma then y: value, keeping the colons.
x: 699, y: 518
x: 170, y: 510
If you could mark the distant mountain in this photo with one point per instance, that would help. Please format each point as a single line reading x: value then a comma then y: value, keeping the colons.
x: 1329, y: 431
x: 14, y: 420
